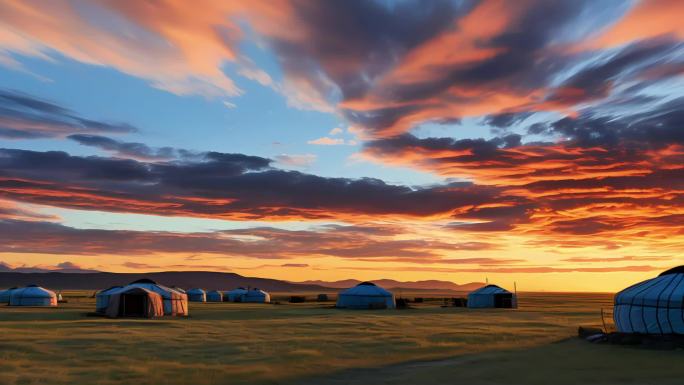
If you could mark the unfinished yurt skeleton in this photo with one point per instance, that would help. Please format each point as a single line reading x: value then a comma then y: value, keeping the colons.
x: 174, y: 302
x: 197, y: 295
x: 492, y: 296
x: 256, y: 295
x: 214, y: 296
x: 32, y: 295
x: 654, y: 306
x: 366, y: 295
x: 234, y: 295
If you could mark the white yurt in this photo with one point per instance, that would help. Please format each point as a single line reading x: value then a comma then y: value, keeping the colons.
x: 197, y: 295
x: 214, y: 296
x: 365, y: 295
x: 102, y: 299
x: 173, y: 301
x: 654, y: 306
x: 492, y: 296
x: 234, y: 295
x: 256, y: 295
x: 32, y: 295
x: 5, y: 295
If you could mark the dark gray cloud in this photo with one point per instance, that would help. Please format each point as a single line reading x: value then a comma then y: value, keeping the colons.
x: 660, y: 126
x: 263, y: 242
x: 130, y: 149
x: 25, y: 117
x: 220, y: 185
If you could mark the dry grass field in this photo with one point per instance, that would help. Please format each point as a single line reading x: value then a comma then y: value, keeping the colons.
x: 312, y: 343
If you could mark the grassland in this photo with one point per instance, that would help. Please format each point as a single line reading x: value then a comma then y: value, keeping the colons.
x: 313, y: 343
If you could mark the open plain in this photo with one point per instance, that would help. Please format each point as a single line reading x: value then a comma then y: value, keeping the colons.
x: 313, y: 343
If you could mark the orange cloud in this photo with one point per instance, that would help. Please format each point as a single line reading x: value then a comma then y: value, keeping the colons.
x: 648, y: 18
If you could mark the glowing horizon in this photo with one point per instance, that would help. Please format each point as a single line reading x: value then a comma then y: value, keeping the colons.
x: 537, y: 142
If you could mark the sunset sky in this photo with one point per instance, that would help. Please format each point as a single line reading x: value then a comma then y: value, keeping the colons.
x: 540, y: 142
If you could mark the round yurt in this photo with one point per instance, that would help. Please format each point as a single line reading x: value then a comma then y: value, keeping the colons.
x: 654, y: 306
x: 5, y: 295
x: 234, y: 295
x: 214, y: 296
x: 133, y: 301
x: 197, y: 295
x: 365, y: 295
x: 173, y: 302
x: 492, y: 296
x: 256, y: 296
x: 32, y: 295
x: 102, y: 299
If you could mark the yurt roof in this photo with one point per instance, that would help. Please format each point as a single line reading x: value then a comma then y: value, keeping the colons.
x: 490, y: 289
x: 667, y: 287
x: 366, y: 290
x: 35, y: 291
x: 144, y: 280
x: 109, y: 289
x: 674, y: 270
x: 195, y: 290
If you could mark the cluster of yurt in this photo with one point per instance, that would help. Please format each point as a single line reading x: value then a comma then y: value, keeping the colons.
x: 234, y: 295
x: 142, y: 298
x: 214, y: 296
x: 31, y: 295
x: 197, y: 295
x: 256, y: 296
x: 654, y: 306
x: 492, y: 296
x: 253, y: 295
x: 365, y: 295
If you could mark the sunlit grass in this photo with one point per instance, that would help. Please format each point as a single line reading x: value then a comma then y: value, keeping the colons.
x: 228, y: 343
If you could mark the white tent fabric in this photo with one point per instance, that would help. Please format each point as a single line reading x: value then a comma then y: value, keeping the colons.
x: 234, y: 295
x: 214, y: 296
x: 486, y: 297
x: 197, y: 295
x: 256, y: 295
x: 175, y: 302
x: 5, y: 295
x: 32, y: 295
x: 365, y: 295
x: 102, y: 299
x: 654, y: 306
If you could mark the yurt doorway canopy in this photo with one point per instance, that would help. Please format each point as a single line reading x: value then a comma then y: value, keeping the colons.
x: 135, y: 302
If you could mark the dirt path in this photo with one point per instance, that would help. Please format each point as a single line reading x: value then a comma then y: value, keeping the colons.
x: 569, y: 362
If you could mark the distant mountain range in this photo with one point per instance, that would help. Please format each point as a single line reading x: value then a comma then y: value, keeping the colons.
x: 185, y: 279
x: 79, y: 279
x: 392, y: 284
x: 65, y: 268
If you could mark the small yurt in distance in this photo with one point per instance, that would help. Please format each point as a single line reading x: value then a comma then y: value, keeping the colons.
x: 234, y: 295
x: 197, y: 295
x: 5, y: 295
x: 174, y: 303
x: 654, y: 306
x: 256, y: 296
x: 492, y: 296
x: 214, y: 296
x: 32, y: 295
x: 133, y: 301
x: 365, y: 295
